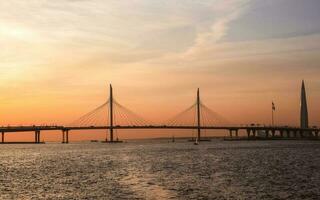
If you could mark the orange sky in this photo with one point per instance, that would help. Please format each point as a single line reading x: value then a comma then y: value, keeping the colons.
x: 57, y: 60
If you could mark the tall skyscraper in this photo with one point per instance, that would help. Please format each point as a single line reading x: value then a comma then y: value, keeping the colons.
x: 303, y: 108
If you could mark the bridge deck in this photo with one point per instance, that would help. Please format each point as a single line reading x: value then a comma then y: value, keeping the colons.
x: 51, y: 128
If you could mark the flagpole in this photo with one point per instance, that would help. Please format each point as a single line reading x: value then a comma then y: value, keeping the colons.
x: 272, y: 113
x: 272, y: 117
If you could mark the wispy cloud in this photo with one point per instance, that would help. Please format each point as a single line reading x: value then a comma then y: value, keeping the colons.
x: 227, y: 11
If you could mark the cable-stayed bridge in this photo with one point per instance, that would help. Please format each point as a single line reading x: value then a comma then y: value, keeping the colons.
x: 111, y: 115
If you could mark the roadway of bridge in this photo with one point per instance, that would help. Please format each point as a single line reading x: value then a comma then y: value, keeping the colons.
x: 69, y: 128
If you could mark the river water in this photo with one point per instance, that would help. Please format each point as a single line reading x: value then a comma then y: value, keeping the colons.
x: 158, y: 169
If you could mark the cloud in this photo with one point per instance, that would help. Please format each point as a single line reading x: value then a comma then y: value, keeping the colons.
x: 227, y: 12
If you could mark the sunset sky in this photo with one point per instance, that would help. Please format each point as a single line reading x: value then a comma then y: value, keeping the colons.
x: 58, y: 57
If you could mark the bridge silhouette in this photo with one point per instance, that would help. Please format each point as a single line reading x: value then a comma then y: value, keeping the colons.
x: 111, y: 116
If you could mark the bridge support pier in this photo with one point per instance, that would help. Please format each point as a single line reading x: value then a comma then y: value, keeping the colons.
x: 273, y: 132
x: 2, y: 137
x: 248, y: 132
x: 281, y: 133
x: 267, y: 133
x: 67, y: 136
x: 63, y: 136
x: 37, y: 136
x: 316, y: 134
x: 301, y: 133
x: 111, y: 134
x: 231, y: 132
x: 295, y: 133
x: 254, y: 132
x: 288, y: 133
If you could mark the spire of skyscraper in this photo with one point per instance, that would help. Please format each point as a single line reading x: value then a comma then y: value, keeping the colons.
x: 303, y: 108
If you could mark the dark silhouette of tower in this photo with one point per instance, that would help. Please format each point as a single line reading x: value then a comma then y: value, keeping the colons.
x: 304, y: 123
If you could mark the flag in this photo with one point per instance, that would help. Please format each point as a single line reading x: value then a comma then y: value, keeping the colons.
x: 273, y: 106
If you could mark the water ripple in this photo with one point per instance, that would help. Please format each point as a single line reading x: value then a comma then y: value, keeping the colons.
x: 161, y: 170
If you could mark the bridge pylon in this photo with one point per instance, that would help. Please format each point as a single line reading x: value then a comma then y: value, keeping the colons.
x: 111, y: 114
x: 198, y: 116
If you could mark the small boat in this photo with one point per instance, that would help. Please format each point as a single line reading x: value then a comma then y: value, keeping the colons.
x: 196, y: 142
x: 93, y: 140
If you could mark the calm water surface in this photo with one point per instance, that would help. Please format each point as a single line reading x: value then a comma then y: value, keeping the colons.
x: 156, y: 169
